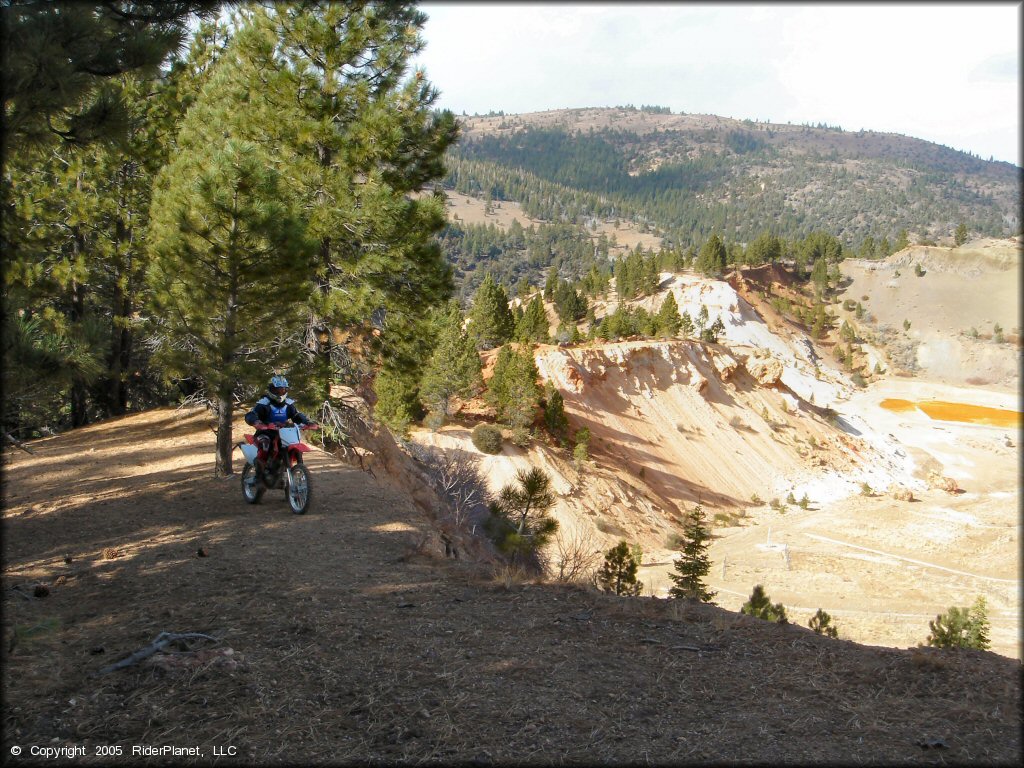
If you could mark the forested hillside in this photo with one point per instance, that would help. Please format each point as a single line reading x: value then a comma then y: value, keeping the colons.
x: 689, y: 176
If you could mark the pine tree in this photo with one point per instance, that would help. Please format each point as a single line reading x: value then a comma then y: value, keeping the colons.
x: 902, y: 240
x: 454, y: 366
x: 702, y: 321
x: 760, y: 605
x: 519, y: 524
x: 490, y: 319
x: 551, y: 284
x: 513, y: 388
x: 232, y: 260
x: 960, y: 235
x: 61, y: 61
x: 821, y: 623
x: 75, y: 256
x: 554, y: 412
x: 712, y: 259
x: 819, y: 275
x: 617, y: 574
x: 330, y: 90
x: 961, y: 627
x: 693, y: 564
x: 668, y: 320
x: 686, y: 325
x: 397, y: 403
x: 532, y: 327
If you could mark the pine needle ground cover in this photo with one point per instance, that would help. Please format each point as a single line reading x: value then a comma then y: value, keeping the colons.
x: 345, y: 636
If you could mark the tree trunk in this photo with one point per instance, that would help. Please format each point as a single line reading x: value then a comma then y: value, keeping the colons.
x: 116, y: 389
x: 224, y: 406
x: 225, y: 385
x: 79, y: 397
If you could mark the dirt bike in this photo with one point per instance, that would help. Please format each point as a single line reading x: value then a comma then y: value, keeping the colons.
x: 283, y: 467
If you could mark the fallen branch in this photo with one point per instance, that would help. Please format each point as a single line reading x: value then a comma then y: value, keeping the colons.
x: 17, y: 443
x: 163, y: 639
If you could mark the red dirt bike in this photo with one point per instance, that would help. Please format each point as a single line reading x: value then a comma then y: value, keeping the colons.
x: 283, y: 468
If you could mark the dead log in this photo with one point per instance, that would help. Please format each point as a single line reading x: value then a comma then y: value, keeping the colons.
x: 162, y: 640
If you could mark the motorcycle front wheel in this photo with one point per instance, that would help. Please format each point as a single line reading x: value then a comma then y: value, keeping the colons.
x: 252, y: 486
x: 299, y: 491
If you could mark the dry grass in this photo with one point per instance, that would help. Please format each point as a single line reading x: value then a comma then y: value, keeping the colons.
x: 345, y: 636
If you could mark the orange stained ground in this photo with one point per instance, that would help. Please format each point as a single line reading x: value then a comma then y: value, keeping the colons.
x: 943, y: 411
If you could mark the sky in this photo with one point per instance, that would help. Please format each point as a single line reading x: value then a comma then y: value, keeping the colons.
x: 948, y: 73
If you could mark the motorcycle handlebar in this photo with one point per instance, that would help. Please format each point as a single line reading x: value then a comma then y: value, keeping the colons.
x: 261, y: 425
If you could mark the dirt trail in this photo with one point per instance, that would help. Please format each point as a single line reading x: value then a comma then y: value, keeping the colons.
x: 353, y: 639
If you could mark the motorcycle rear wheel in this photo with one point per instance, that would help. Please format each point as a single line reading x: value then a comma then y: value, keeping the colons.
x: 252, y: 486
x: 299, y: 490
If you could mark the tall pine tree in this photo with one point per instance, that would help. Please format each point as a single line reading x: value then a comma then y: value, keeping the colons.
x: 232, y: 261
x: 668, y: 319
x: 362, y: 139
x: 454, y: 366
x: 490, y: 319
x: 693, y: 564
x: 532, y: 327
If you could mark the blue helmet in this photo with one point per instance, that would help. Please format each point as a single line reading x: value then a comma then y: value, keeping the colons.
x: 277, y: 389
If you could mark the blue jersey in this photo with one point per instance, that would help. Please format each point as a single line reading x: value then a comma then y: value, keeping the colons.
x: 271, y: 413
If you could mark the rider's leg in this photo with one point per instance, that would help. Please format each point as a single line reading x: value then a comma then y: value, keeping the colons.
x: 263, y: 449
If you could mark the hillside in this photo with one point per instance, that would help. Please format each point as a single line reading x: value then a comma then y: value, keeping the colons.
x: 686, y: 175
x: 345, y: 636
x: 736, y: 425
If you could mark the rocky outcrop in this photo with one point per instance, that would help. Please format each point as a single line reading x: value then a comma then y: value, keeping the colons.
x: 942, y: 483
x: 766, y: 369
x: 901, y: 493
x: 725, y: 364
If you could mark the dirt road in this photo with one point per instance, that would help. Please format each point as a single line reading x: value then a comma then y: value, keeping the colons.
x: 352, y: 639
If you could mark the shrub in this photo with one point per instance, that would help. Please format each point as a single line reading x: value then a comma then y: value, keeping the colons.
x: 618, y: 573
x: 821, y: 623
x: 519, y: 524
x: 579, y: 454
x: 804, y: 502
x: 520, y: 436
x: 961, y: 627
x: 487, y: 438
x: 755, y: 499
x: 434, y: 420
x: 865, y: 490
x: 760, y: 605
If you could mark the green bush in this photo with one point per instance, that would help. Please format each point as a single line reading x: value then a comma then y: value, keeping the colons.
x: 487, y: 438
x: 760, y: 605
x: 961, y: 627
x: 821, y: 623
x: 618, y: 573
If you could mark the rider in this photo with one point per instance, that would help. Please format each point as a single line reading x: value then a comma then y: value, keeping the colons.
x: 274, y: 408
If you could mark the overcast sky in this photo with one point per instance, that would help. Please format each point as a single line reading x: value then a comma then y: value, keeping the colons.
x: 948, y: 73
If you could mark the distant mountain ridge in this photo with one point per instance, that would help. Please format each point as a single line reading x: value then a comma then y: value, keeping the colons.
x: 688, y: 175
